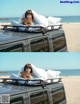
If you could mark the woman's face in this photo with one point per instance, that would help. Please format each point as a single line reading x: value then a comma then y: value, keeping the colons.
x: 28, y: 70
x: 29, y: 16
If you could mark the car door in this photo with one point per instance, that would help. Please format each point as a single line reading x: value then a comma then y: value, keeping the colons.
x: 58, y: 95
x: 58, y: 42
x: 39, y: 45
x: 12, y: 47
x: 39, y: 97
x: 18, y: 98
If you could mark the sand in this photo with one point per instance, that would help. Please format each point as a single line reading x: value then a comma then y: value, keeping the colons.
x: 72, y: 89
x: 2, y: 23
x: 4, y: 77
x: 72, y: 33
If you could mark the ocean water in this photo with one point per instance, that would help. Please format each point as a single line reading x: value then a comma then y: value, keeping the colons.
x: 70, y: 72
x: 65, y: 19
x: 71, y: 19
x: 66, y: 72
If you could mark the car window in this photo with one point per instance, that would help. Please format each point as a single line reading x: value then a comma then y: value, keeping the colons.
x: 40, y: 45
x: 58, y: 95
x: 17, y: 100
x: 39, y: 97
x: 58, y: 43
x: 13, y: 48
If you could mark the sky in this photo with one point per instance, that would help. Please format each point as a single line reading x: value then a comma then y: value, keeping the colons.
x: 15, y: 61
x: 15, y: 8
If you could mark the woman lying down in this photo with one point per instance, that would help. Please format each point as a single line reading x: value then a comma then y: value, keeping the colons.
x: 26, y: 72
x: 31, y: 72
x: 31, y: 18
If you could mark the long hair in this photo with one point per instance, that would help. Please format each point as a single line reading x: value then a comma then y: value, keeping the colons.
x: 29, y: 12
x: 28, y: 66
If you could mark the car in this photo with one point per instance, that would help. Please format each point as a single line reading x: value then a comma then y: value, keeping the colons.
x: 15, y: 40
x: 43, y: 93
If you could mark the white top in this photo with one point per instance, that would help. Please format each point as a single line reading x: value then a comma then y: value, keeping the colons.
x: 39, y: 20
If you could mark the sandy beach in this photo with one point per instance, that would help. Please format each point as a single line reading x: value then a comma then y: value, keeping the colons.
x: 3, y: 23
x: 72, y: 33
x: 72, y: 88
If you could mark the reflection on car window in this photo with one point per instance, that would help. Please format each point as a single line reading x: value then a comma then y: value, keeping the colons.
x: 40, y: 45
x: 58, y: 95
x: 17, y: 100
x: 58, y: 43
x: 13, y: 48
x: 39, y: 98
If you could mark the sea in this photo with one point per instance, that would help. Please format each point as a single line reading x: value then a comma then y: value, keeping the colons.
x: 64, y: 72
x: 64, y: 19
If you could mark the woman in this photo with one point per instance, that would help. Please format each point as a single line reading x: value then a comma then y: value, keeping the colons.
x: 28, y: 18
x: 31, y: 18
x: 26, y: 73
x: 39, y: 20
x: 29, y: 71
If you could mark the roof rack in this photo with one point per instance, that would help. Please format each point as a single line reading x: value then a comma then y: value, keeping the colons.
x: 26, y: 28
x: 5, y: 26
x: 39, y: 82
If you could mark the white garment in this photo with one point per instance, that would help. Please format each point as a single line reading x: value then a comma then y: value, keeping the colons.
x: 53, y: 20
x: 22, y: 80
x: 41, y: 73
x: 37, y: 72
x: 53, y: 74
x: 14, y: 76
x: 38, y: 20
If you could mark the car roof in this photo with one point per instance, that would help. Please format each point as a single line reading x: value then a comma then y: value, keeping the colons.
x: 7, y: 36
x: 6, y: 88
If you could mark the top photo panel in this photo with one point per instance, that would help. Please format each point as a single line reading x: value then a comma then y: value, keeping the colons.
x: 39, y: 26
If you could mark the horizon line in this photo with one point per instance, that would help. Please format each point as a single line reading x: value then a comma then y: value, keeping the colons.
x: 43, y: 68
x: 44, y: 15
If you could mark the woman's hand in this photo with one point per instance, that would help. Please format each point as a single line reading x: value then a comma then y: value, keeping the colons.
x: 25, y: 75
x: 26, y: 21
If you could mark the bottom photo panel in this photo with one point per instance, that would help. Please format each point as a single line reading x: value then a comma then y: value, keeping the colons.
x: 40, y: 78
